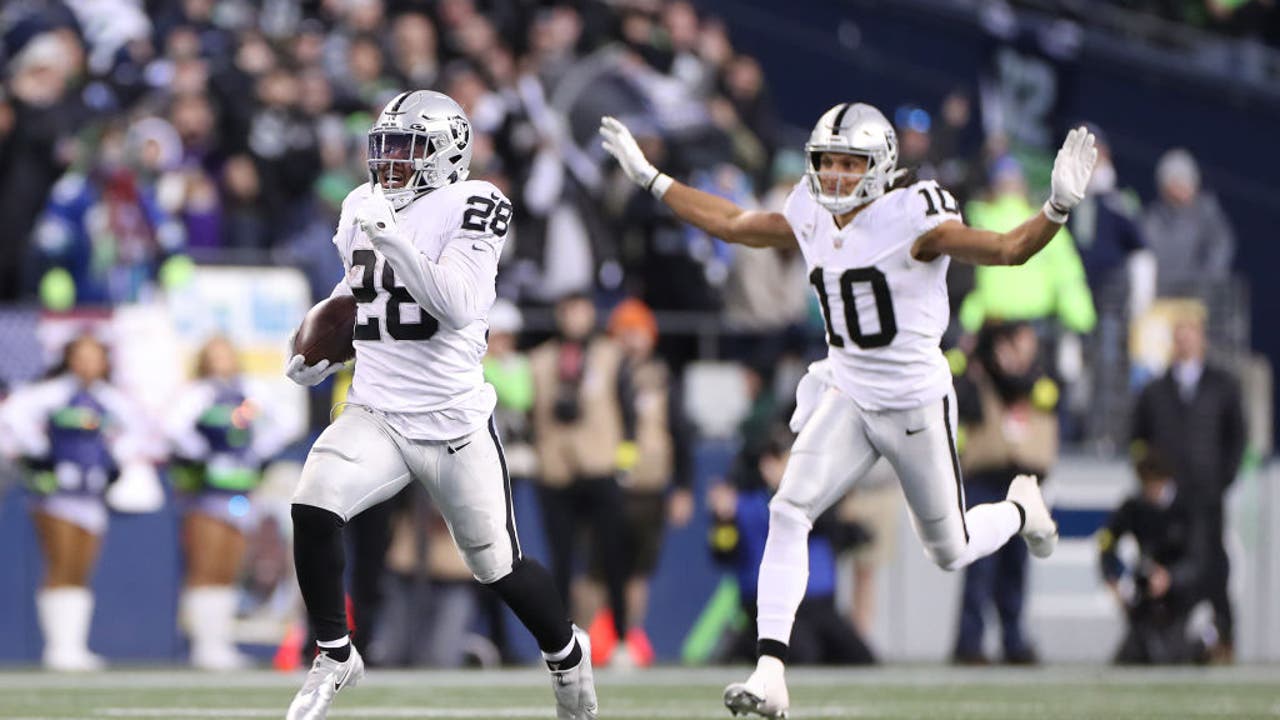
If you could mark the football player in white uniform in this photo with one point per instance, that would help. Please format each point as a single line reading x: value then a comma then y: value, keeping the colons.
x: 420, y: 244
x: 877, y: 248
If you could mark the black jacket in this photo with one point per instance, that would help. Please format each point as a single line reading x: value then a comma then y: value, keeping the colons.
x: 1172, y: 537
x: 1203, y: 439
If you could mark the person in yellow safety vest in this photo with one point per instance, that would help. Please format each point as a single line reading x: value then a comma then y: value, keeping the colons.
x: 1050, y: 285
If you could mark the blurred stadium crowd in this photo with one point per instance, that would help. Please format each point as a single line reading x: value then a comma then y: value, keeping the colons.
x: 139, y: 138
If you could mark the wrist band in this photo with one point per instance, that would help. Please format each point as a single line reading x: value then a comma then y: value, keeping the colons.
x: 659, y: 185
x: 1054, y: 213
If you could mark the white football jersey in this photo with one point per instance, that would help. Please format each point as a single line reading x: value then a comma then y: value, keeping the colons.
x: 422, y: 375
x: 885, y: 311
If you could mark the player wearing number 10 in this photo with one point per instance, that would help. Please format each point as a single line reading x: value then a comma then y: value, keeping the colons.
x: 877, y: 247
x: 420, y: 244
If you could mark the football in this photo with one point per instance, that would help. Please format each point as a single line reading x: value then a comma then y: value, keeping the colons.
x: 327, y: 331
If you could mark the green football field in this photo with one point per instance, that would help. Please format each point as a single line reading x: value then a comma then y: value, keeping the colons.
x: 896, y: 692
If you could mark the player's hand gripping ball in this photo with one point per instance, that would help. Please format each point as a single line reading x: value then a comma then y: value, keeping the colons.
x: 324, y: 341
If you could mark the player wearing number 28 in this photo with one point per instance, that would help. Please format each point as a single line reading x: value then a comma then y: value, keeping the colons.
x: 420, y: 244
x: 877, y: 247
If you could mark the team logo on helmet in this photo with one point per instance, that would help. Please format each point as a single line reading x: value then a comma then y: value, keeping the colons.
x: 461, y: 131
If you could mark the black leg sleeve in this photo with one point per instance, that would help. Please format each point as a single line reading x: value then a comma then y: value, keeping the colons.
x: 319, y: 559
x: 370, y: 537
x: 531, y: 594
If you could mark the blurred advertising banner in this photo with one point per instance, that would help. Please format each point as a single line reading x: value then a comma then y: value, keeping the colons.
x: 256, y: 308
x: 153, y: 345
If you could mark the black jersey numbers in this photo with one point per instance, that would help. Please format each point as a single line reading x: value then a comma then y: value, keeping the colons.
x: 853, y: 329
x: 945, y: 200
x: 423, y: 329
x: 491, y: 213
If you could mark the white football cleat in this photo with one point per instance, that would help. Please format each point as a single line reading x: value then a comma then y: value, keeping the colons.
x: 764, y: 693
x: 326, y: 677
x: 575, y: 687
x: 1038, y: 527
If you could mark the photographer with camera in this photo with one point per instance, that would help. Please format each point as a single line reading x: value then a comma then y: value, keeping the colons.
x: 1158, y: 589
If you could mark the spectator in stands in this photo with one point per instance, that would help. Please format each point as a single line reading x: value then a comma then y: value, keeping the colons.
x: 108, y: 230
x: 1194, y: 418
x: 584, y: 434
x: 767, y: 293
x: 1187, y: 229
x: 221, y: 431
x: 740, y: 514
x: 509, y: 372
x: 1005, y: 404
x: 1049, y: 287
x: 431, y: 595
x: 286, y: 154
x: 655, y: 491
x: 38, y: 116
x: 1121, y: 271
x: 74, y: 432
x: 1113, y: 248
x: 1050, y: 291
x: 1157, y: 589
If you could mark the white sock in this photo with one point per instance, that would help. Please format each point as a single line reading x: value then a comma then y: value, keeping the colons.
x: 64, y: 615
x: 990, y: 527
x: 330, y: 644
x: 784, y: 572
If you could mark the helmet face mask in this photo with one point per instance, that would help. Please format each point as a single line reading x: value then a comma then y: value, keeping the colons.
x: 858, y: 130
x: 420, y: 142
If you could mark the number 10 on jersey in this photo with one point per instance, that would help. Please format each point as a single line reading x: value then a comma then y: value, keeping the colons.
x: 853, y: 329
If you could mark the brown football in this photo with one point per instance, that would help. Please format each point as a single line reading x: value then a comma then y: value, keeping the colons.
x: 327, y: 331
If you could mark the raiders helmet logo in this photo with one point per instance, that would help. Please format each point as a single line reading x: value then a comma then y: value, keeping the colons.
x: 461, y: 130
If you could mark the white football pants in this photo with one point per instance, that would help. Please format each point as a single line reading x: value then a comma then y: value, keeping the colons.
x: 838, y: 445
x: 360, y: 461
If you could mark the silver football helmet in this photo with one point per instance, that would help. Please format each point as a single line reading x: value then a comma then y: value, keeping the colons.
x: 858, y: 129
x: 420, y: 142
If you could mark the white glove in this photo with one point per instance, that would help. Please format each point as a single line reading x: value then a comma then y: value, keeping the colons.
x: 375, y: 216
x: 622, y: 146
x: 307, y: 375
x: 1071, y: 171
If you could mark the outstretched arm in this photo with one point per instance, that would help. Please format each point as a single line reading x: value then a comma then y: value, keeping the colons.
x: 1071, y: 170
x: 709, y: 213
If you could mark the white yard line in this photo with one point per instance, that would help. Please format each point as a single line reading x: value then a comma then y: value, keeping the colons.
x: 410, y: 712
